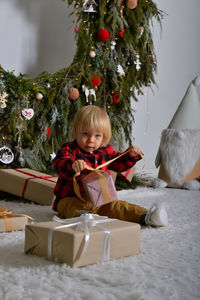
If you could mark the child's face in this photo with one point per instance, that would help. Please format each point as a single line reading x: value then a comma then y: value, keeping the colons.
x: 89, y: 140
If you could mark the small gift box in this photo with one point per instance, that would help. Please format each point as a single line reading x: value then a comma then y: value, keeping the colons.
x: 128, y: 174
x: 99, y: 187
x: 83, y: 240
x: 10, y: 222
x: 28, y: 184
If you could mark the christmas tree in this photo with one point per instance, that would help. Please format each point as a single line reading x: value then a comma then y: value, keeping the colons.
x: 114, y: 61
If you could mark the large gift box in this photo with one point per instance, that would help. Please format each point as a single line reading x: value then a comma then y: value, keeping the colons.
x: 10, y: 222
x: 28, y: 184
x: 83, y: 240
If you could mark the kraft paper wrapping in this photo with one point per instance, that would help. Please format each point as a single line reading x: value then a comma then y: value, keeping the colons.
x: 39, y: 190
x: 17, y: 223
x: 128, y: 174
x: 93, y: 189
x: 67, y: 243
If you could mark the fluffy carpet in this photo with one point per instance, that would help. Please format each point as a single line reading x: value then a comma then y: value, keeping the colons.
x: 167, y: 268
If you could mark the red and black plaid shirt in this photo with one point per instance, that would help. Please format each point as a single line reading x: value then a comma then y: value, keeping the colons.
x: 70, y: 152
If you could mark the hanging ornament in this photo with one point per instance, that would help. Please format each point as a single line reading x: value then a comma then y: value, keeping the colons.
x: 20, y: 157
x: 113, y: 44
x: 120, y: 70
x: 39, y: 96
x: 3, y: 99
x: 140, y: 31
x: 73, y: 94
x: 115, y: 98
x: 131, y: 4
x: 137, y: 63
x: 154, y: 57
x: 48, y: 131
x: 90, y: 6
x: 89, y: 93
x: 6, y: 155
x: 92, y: 53
x: 121, y: 33
x: 103, y: 35
x: 96, y: 81
x: 28, y: 113
x: 52, y: 155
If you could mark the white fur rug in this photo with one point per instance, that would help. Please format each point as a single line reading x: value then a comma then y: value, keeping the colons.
x: 168, y: 267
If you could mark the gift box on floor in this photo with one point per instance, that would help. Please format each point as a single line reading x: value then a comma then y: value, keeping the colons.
x: 10, y: 222
x: 80, y: 242
x: 128, y: 174
x: 28, y: 184
x: 14, y: 223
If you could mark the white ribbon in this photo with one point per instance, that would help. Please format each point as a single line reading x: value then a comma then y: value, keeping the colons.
x: 83, y: 223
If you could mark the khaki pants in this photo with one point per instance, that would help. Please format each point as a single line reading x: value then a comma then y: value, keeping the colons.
x: 70, y: 207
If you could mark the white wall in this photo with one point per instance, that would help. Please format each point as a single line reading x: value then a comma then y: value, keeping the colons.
x: 178, y: 56
x: 37, y: 35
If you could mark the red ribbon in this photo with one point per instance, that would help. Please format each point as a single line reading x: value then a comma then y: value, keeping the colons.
x: 33, y: 177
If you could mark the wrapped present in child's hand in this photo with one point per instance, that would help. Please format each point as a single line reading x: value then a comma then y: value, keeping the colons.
x: 99, y: 187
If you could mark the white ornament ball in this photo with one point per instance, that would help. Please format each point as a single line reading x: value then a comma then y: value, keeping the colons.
x: 92, y: 53
x: 39, y: 96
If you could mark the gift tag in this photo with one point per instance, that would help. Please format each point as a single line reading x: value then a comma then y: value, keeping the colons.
x: 28, y: 113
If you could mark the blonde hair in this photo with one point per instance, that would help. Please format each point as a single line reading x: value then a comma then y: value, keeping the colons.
x: 92, y: 117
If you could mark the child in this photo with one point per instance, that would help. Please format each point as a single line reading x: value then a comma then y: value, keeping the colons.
x: 91, y: 132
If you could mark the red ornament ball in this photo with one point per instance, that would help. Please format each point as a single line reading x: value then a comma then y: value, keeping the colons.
x: 131, y: 4
x: 103, y: 35
x: 96, y: 81
x: 73, y: 94
x: 121, y: 33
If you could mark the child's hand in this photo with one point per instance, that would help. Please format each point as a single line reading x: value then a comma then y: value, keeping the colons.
x: 79, y: 165
x: 135, y: 151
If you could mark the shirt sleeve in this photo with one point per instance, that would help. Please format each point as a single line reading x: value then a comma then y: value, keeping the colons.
x: 123, y: 163
x: 63, y: 161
